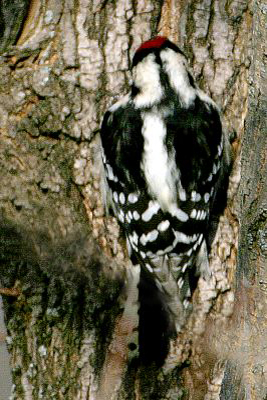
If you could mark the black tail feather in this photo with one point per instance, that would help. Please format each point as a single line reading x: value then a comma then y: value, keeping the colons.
x: 156, y: 325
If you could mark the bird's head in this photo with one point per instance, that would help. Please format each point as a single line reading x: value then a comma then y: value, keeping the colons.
x: 157, y: 64
x: 154, y: 46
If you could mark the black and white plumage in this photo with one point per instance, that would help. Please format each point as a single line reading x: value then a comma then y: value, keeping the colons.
x: 166, y: 163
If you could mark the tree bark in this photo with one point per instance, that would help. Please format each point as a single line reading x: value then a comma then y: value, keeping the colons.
x: 69, y: 325
x: 246, y: 371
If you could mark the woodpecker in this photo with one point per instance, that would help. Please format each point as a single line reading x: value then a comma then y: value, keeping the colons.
x: 166, y: 161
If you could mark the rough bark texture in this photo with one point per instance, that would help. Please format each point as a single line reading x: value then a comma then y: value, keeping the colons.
x: 246, y: 371
x: 62, y: 64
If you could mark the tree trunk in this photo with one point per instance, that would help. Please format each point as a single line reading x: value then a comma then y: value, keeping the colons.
x: 246, y: 371
x: 68, y: 322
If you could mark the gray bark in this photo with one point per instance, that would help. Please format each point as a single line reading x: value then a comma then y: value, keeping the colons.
x: 62, y: 64
x: 246, y: 372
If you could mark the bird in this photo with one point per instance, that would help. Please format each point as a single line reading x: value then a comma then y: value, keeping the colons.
x: 167, y: 161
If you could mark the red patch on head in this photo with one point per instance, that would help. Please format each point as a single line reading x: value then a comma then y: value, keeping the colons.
x: 154, y: 43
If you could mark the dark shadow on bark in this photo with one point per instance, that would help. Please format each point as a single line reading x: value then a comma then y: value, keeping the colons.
x: 12, y: 16
x: 61, y: 282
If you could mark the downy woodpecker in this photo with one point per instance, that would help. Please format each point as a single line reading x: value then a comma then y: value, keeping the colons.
x: 166, y: 161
